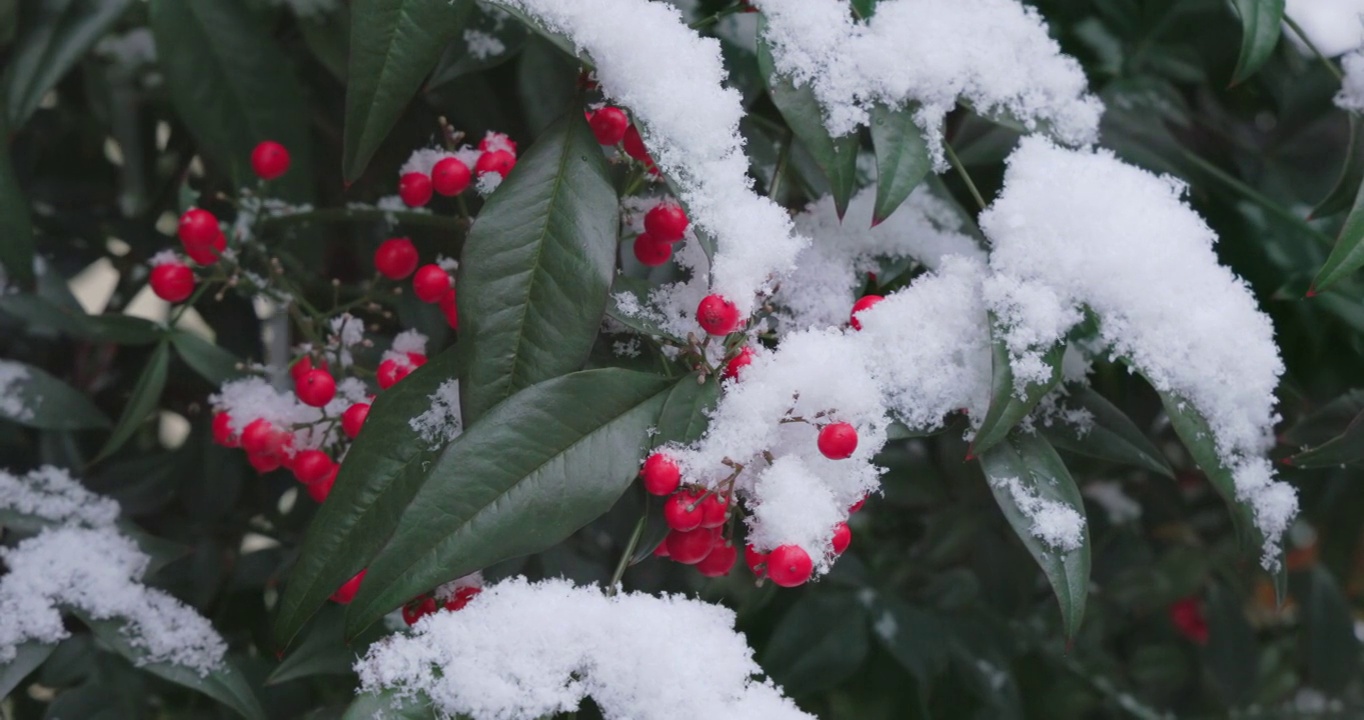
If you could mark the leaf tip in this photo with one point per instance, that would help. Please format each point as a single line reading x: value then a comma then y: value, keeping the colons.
x: 1312, y: 290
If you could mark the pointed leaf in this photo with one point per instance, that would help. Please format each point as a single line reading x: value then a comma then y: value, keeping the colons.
x: 902, y: 158
x: 536, y: 268
x: 28, y: 656
x: 686, y: 412
x: 1343, y: 449
x: 55, y: 38
x: 212, y: 362
x: 1261, y: 23
x: 1110, y: 435
x: 323, y: 649
x: 72, y: 320
x: 143, y: 400
x: 1348, y: 254
x: 476, y: 48
x: 543, y: 464
x: 328, y: 37
x: 1037, y: 467
x: 16, y: 226
x: 393, y: 45
x: 1343, y: 193
x: 1327, y: 421
x: 1006, y: 406
x: 383, y: 470
x: 42, y: 401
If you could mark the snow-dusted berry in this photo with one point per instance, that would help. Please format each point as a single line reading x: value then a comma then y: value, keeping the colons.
x: 690, y: 547
x: 431, y: 283
x: 738, y: 362
x: 863, y: 303
x: 222, y: 431
x: 172, y: 281
x: 609, y: 125
x: 789, y: 566
x: 717, y: 316
x: 842, y: 538
x: 714, y: 510
x: 346, y: 592
x: 415, y: 189
x: 449, y: 309
x: 353, y: 419
x: 756, y: 561
x: 270, y: 160
x: 450, y: 177
x: 418, y: 609
x: 497, y: 142
x: 719, y: 562
x: 651, y: 251
x: 197, y: 227
x: 666, y: 221
x: 416, y: 359
x: 396, y: 258
x: 461, y: 598
x: 857, y: 506
x: 311, y: 466
x: 316, y: 388
x: 497, y: 161
x: 682, y: 511
x: 660, y: 474
x: 390, y: 372
x: 837, y: 441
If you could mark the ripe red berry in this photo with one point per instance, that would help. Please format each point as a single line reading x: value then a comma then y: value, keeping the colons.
x: 609, y: 125
x: 417, y: 359
x: 270, y: 160
x: 690, y: 547
x: 222, y: 431
x: 714, y: 510
x: 857, y: 505
x: 789, y: 566
x: 303, y: 366
x: 390, y: 372
x: 316, y: 388
x: 396, y: 258
x: 1188, y: 618
x: 717, y: 315
x: 415, y: 189
x: 311, y: 466
x: 682, y: 511
x: 661, y: 550
x: 651, y: 251
x: 660, y: 474
x: 258, y: 436
x: 207, y: 254
x: 634, y: 146
x: 346, y: 592
x: 842, y: 538
x: 838, y: 441
x: 756, y: 561
x: 172, y: 282
x: 495, y: 141
x: 666, y: 221
x: 431, y: 283
x: 450, y: 177
x: 415, y: 610
x: 319, y: 490
x: 197, y: 227
x: 863, y: 303
x: 738, y: 362
x: 497, y: 161
x: 719, y: 562
x: 449, y: 309
x: 264, y: 462
x: 461, y: 598
x: 353, y: 418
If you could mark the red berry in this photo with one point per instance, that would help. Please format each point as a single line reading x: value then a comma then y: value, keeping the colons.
x: 789, y: 566
x: 270, y: 160
x: 714, y: 511
x: 719, y: 562
x: 683, y: 511
x: 660, y: 474
x: 172, y: 282
x: 346, y: 592
x: 258, y: 436
x: 634, y: 146
x: 311, y: 466
x: 431, y: 283
x: 303, y: 366
x: 717, y: 315
x: 494, y: 142
x: 222, y: 431
x: 353, y: 418
x: 415, y: 189
x: 838, y: 441
x: 756, y: 561
x: 857, y: 505
x: 666, y: 221
x: 842, y: 538
x: 417, y: 359
x: 652, y: 251
x: 738, y: 362
x: 609, y: 125
x: 863, y: 303
x: 396, y: 258
x: 209, y: 253
x: 1187, y: 616
x: 413, y: 611
x: 450, y: 177
x: 390, y: 372
x: 198, y: 227
x: 316, y: 388
x: 690, y: 547
x: 497, y: 161
x: 461, y: 598
x: 264, y: 462
x: 449, y: 309
x: 319, y: 490
x: 661, y: 550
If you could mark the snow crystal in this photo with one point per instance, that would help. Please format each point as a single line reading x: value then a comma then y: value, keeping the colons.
x: 442, y: 422
x: 251, y: 399
x: 405, y: 342
x: 1334, y: 26
x: 448, y: 590
x: 487, y: 183
x: 481, y: 45
x: 347, y: 331
x: 1351, y: 95
x: 422, y: 160
x: 52, y: 494
x: 1054, y: 523
x: 1109, y: 495
x: 626, y: 348
x: 165, y: 257
x: 12, y: 376
x: 524, y: 650
x: 792, y: 503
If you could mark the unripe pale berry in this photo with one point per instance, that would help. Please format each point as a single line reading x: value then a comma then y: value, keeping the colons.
x: 863, y: 303
x: 415, y: 189
x: 319, y: 490
x: 651, y: 251
x: 717, y: 316
x: 430, y: 283
x: 738, y: 362
x: 683, y: 511
x: 497, y: 161
x: 666, y: 221
x: 660, y: 474
x: 449, y: 309
x: 756, y: 561
x: 270, y: 160
x: 719, y: 562
x: 609, y: 125
x: 690, y: 547
x: 842, y: 538
x: 450, y: 177
x: 789, y: 566
x: 838, y: 440
x: 353, y: 418
x: 311, y: 466
x: 222, y: 431
x: 714, y: 511
x: 197, y: 227
x: 172, y: 282
x: 209, y: 253
x: 396, y: 258
x: 316, y: 388
x: 346, y: 592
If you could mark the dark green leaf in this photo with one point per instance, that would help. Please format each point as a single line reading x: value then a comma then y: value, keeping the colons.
x: 536, y: 268
x: 1348, y: 254
x: 821, y: 641
x: 1332, y: 651
x: 638, y: 323
x: 28, y: 656
x: 541, y: 465
x: 1344, y: 449
x: 1231, y: 655
x: 547, y: 82
x: 557, y: 39
x: 72, y: 320
x: 393, y: 45
x: 323, y: 649
x: 1327, y: 421
x: 213, y: 363
x: 143, y: 400
x: 234, y: 87
x: 42, y: 401
x: 383, y: 470
x: 685, y: 414
x: 1261, y: 21
x: 1037, y: 467
x: 54, y: 40
x: 1194, y: 432
x: 864, y: 9
x: 1006, y: 407
x: 902, y: 158
x: 1343, y: 193
x: 1111, y: 435
x: 16, y: 227
x: 328, y: 36
x: 914, y: 637
x: 390, y: 706
x: 460, y: 59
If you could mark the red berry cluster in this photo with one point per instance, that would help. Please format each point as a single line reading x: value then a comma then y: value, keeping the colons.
x: 451, y: 176
x: 397, y: 258
x: 612, y: 126
x: 664, y: 224
x: 420, y: 607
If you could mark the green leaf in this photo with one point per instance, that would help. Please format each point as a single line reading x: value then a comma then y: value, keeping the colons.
x: 902, y: 158
x: 1347, y: 184
x: 1327, y: 421
x: 1332, y: 651
x: 227, y: 684
x: 143, y: 400
x: 541, y: 465
x: 836, y: 157
x: 72, y: 320
x: 1111, y: 435
x: 42, y: 401
x: 27, y: 658
x: 638, y: 323
x: 393, y: 45
x: 821, y: 641
x: 383, y: 470
x: 1344, y: 449
x: 458, y: 60
x: 212, y: 362
x: 546, y: 82
x: 328, y: 36
x: 234, y: 87
x: 389, y: 706
x: 1006, y: 407
x: 323, y: 649
x: 686, y: 412
x: 536, y: 268
x: 1038, y: 468
x: 1261, y: 21
x: 559, y: 40
x: 55, y: 38
x: 16, y: 226
x: 917, y: 639
x: 1348, y: 254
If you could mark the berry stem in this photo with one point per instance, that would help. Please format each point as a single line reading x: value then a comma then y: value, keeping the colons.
x: 965, y: 176
x: 345, y: 214
x: 625, y: 555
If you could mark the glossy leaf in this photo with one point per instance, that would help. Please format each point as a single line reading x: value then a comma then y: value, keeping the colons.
x: 1343, y: 449
x: 383, y: 470
x: 1343, y: 193
x: 1035, y: 465
x: 323, y: 649
x: 393, y: 45
x: 54, y: 39
x: 1111, y: 435
x: 461, y: 57
x: 686, y: 412
x: 821, y: 641
x: 902, y: 158
x: 43, y: 401
x: 536, y: 268
x: 72, y: 320
x: 540, y: 466
x: 1327, y: 421
x: 16, y: 226
x: 1006, y: 407
x: 28, y: 656
x: 1261, y: 21
x: 1348, y: 254
x: 145, y: 396
x: 212, y: 362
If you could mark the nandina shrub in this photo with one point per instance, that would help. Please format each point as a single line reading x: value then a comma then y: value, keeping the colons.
x: 636, y: 359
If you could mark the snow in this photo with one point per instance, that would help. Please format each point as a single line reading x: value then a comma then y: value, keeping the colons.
x: 50, y: 493
x: 1335, y: 27
x: 12, y: 376
x: 1351, y: 95
x: 487, y: 183
x: 524, y: 650
x: 165, y: 257
x: 250, y: 399
x: 1054, y: 523
x: 442, y: 422
x: 481, y: 45
x: 422, y: 160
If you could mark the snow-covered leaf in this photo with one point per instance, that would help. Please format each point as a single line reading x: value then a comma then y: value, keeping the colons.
x: 1109, y: 435
x: 31, y: 397
x: 902, y: 158
x: 486, y: 40
x: 143, y: 399
x: 1006, y: 407
x: 1261, y: 21
x: 56, y: 36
